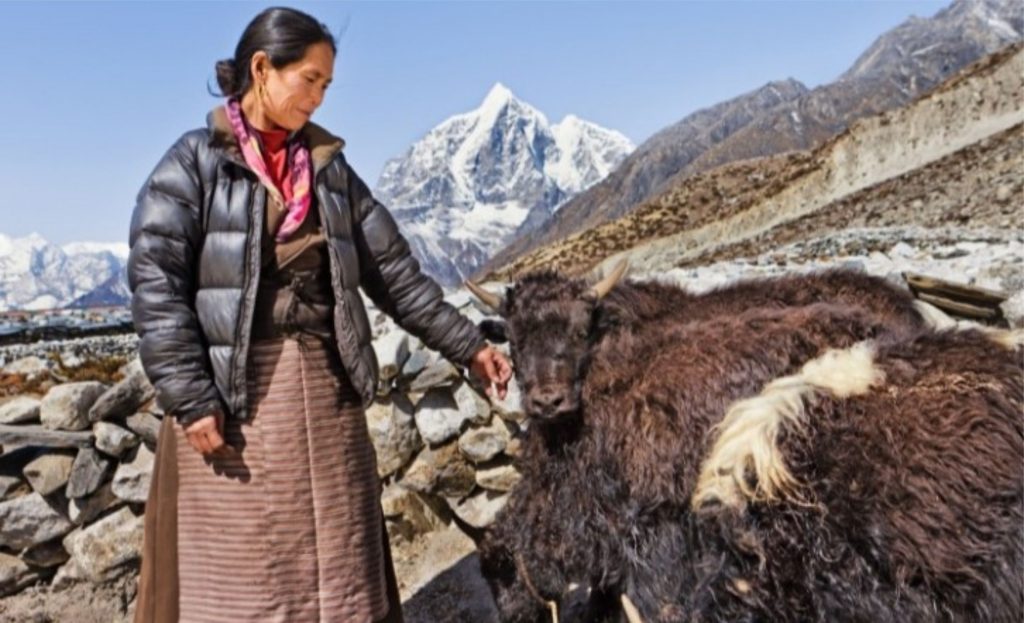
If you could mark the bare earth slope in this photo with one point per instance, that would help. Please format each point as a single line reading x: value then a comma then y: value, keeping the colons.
x: 969, y: 118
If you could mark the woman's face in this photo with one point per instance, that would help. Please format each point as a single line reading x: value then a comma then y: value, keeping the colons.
x: 296, y: 90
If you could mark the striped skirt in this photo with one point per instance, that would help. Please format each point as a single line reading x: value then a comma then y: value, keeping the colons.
x: 288, y: 527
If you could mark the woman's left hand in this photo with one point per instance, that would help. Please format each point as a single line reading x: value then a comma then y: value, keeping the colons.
x: 491, y: 367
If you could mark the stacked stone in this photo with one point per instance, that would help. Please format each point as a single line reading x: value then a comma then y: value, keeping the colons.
x: 74, y: 472
x: 444, y: 450
x: 75, y: 462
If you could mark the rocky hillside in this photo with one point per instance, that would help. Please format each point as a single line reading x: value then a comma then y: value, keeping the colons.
x: 900, y: 66
x: 941, y: 159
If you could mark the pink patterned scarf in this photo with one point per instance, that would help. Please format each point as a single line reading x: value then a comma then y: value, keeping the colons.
x: 298, y: 164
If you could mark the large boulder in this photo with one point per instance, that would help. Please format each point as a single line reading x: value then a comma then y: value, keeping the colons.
x: 131, y: 480
x: 483, y: 443
x: 19, y: 410
x: 88, y: 472
x: 112, y: 439
x: 440, y: 470
x: 125, y: 396
x: 500, y: 476
x: 49, y: 472
x: 104, y: 549
x: 438, y: 417
x: 15, y: 575
x: 66, y: 406
x: 479, y: 509
x: 29, y: 520
x: 393, y: 431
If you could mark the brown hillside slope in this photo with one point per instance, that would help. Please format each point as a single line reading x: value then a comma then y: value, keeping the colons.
x: 743, y: 200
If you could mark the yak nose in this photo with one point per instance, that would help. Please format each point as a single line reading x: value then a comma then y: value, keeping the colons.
x: 545, y: 400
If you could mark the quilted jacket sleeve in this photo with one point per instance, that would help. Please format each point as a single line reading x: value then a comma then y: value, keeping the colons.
x: 392, y: 278
x: 164, y: 239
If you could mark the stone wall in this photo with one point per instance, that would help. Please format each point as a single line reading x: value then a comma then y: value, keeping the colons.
x: 76, y: 457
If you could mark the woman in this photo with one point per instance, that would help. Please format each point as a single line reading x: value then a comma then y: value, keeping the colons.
x: 249, y: 242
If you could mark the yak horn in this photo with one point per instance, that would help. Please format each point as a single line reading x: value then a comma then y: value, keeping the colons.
x: 632, y: 614
x: 605, y: 285
x: 492, y: 300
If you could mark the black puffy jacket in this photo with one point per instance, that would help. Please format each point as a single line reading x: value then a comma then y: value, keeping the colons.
x: 194, y: 265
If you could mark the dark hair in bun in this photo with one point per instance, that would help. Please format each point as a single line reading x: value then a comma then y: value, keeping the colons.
x: 284, y: 34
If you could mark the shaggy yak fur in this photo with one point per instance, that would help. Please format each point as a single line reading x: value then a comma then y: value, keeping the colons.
x: 904, y: 500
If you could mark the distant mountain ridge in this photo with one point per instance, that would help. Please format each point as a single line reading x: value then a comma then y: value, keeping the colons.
x: 898, y: 67
x: 951, y: 158
x: 36, y: 274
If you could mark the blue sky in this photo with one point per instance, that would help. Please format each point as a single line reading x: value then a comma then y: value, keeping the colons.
x: 94, y: 93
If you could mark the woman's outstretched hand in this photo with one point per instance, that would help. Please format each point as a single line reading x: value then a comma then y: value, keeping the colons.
x: 491, y: 367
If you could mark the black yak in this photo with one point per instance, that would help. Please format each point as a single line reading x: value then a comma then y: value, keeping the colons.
x: 625, y: 406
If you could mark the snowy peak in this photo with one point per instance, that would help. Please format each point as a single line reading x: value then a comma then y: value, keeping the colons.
x: 35, y: 274
x: 496, y: 100
x: 586, y: 153
x: 117, y: 249
x: 474, y: 179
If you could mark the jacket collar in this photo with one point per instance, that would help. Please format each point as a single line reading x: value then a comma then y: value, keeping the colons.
x: 323, y: 145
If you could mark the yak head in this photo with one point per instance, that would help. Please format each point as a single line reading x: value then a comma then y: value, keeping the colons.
x: 551, y: 323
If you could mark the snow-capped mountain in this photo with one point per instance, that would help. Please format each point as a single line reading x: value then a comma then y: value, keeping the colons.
x: 35, y: 274
x: 469, y: 184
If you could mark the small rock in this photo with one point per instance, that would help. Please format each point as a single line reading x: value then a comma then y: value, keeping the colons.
x: 36, y: 435
x: 49, y: 472
x: 144, y: 425
x: 112, y: 439
x: 20, y: 410
x: 479, y: 510
x: 515, y: 446
x: 393, y: 432
x: 408, y: 513
x: 417, y: 361
x: 66, y: 406
x: 31, y: 368
x: 501, y: 477
x: 392, y: 350
x: 70, y: 359
x: 14, y: 575
x: 440, y: 470
x: 69, y: 574
x: 438, y: 417
x: 131, y: 480
x: 11, y: 486
x: 1004, y: 193
x: 511, y: 408
x: 486, y: 442
x: 49, y: 554
x: 104, y: 549
x: 125, y: 397
x: 902, y: 250
x: 441, y: 372
x: 88, y: 472
x: 83, y: 510
x: 29, y: 520
x: 473, y: 405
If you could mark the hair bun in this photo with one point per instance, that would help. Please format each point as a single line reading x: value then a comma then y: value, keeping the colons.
x: 227, y: 76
